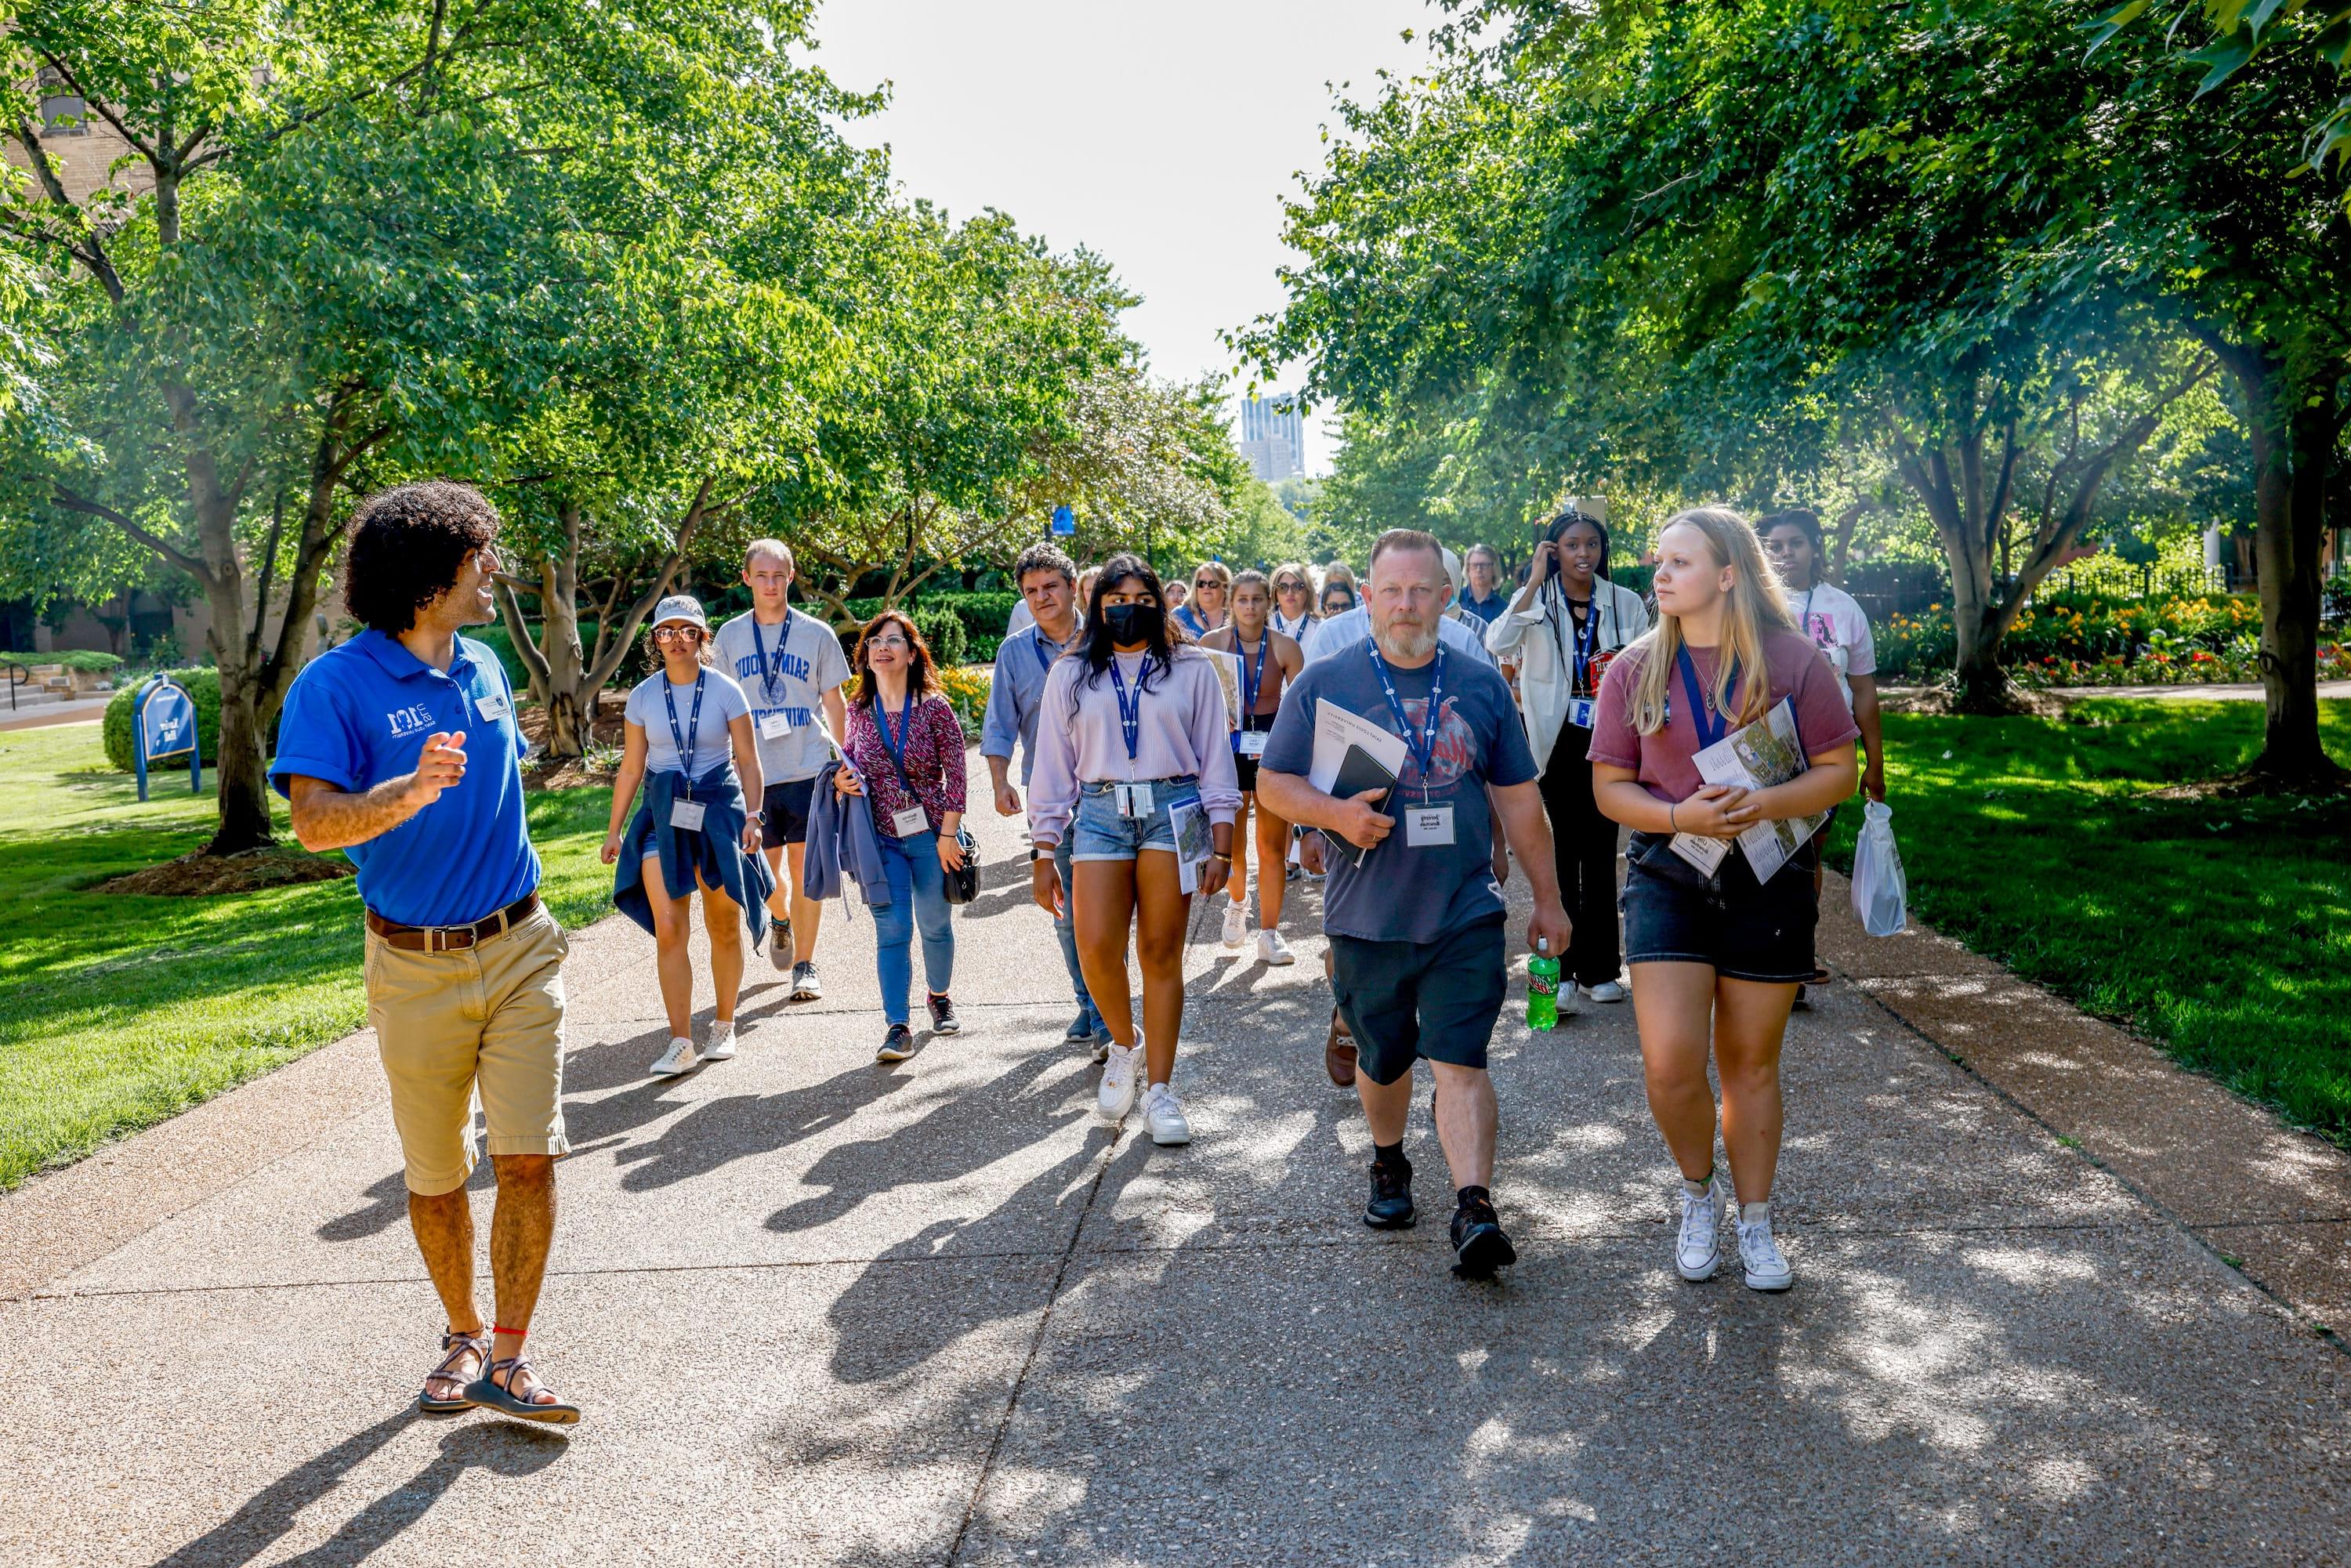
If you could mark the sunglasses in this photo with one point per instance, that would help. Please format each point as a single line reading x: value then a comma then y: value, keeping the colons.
x: 1206, y: 582
x: 676, y: 633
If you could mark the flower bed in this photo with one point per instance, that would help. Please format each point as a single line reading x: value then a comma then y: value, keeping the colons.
x: 2081, y: 640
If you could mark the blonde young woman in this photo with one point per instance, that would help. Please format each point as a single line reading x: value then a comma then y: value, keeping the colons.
x: 1715, y: 959
x: 1295, y: 609
x: 689, y: 740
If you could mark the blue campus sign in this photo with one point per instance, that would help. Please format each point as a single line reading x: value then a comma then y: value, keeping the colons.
x: 163, y: 724
x: 1065, y: 521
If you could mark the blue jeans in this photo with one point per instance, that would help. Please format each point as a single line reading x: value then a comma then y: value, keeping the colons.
x: 918, y: 895
x: 1065, y: 930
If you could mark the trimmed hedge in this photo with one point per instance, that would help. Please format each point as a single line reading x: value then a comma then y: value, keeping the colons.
x: 88, y: 661
x: 203, y: 683
x: 983, y: 614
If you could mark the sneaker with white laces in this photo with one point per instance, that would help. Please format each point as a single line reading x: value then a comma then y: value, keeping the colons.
x: 1236, y: 925
x: 720, y: 1045
x: 1767, y: 1268
x: 1698, y: 1252
x: 681, y: 1057
x: 1271, y: 950
x: 1163, y: 1115
x: 1116, y: 1096
x: 1607, y: 992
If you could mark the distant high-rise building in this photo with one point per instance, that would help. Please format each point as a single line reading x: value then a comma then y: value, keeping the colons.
x: 1273, y: 436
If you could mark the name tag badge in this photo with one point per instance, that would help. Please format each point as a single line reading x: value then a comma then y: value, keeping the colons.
x: 686, y: 815
x: 1133, y: 800
x: 775, y: 725
x: 908, y: 820
x: 1250, y: 742
x: 1427, y: 827
x: 493, y: 705
x: 1580, y: 711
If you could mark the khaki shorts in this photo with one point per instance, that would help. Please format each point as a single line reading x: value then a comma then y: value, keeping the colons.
x: 490, y: 1015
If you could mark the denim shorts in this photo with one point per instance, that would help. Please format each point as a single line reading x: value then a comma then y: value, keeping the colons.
x: 1097, y: 832
x: 1676, y: 914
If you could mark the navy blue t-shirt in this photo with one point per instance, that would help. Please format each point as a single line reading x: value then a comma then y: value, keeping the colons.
x: 1408, y: 892
x: 358, y: 715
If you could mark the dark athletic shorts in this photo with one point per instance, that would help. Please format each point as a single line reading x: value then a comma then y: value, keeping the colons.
x: 1407, y: 1000
x: 784, y: 811
x: 1674, y: 913
x: 1245, y: 766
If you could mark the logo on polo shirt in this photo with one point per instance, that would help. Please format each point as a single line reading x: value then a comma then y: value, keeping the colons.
x: 414, y: 719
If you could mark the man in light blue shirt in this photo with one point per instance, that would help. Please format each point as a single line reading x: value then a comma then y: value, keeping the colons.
x: 1049, y: 587
x: 1353, y: 628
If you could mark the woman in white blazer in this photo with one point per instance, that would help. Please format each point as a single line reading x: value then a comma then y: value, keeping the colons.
x: 1565, y: 626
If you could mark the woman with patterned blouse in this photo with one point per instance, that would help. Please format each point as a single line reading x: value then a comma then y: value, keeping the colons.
x: 905, y: 757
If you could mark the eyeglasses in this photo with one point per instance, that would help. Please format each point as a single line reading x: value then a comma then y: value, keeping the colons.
x: 677, y: 633
x: 898, y: 643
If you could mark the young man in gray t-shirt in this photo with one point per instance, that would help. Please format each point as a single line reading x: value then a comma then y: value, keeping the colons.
x: 790, y: 664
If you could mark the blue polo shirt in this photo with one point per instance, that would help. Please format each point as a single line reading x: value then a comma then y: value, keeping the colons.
x: 358, y: 715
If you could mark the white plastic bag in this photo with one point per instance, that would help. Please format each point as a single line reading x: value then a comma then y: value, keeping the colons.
x: 1880, y: 896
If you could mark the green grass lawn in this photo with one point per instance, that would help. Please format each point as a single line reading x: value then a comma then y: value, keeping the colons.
x: 2220, y: 928
x: 116, y: 1012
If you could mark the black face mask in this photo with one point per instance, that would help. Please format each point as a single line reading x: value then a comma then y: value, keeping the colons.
x: 1131, y: 623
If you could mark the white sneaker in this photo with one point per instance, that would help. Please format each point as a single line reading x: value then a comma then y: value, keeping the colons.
x: 1698, y: 1253
x: 1163, y: 1114
x: 1607, y: 992
x: 720, y: 1045
x: 1116, y: 1096
x: 679, y: 1058
x: 1272, y: 949
x: 1236, y: 925
x: 1767, y: 1270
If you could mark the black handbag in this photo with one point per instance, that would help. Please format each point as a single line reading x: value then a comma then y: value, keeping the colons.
x: 963, y: 886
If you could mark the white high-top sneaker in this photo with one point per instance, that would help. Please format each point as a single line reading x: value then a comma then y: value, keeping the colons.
x: 1698, y: 1252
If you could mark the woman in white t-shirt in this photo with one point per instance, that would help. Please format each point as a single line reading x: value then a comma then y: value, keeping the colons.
x: 689, y: 741
x: 1840, y: 630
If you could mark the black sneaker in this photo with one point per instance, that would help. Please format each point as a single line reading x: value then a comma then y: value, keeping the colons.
x: 1802, y: 1004
x: 1391, y: 1205
x: 897, y: 1045
x: 1478, y: 1244
x: 943, y: 1015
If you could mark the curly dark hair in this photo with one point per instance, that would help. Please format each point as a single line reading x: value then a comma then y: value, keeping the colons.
x: 408, y: 544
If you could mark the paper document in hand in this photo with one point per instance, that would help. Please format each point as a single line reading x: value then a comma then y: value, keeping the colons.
x: 1188, y: 819
x: 1757, y: 757
x: 1336, y: 729
x: 1228, y: 676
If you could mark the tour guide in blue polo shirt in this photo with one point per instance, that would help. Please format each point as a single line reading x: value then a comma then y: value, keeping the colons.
x: 463, y: 967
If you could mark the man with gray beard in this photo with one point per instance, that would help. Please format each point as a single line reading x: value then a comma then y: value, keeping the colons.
x: 1416, y: 927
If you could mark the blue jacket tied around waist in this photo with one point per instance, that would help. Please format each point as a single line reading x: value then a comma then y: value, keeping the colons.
x: 716, y: 852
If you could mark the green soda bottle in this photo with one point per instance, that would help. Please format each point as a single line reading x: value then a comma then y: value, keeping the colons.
x: 1542, y: 988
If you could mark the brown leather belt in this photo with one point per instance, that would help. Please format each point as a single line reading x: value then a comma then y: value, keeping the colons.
x: 453, y: 938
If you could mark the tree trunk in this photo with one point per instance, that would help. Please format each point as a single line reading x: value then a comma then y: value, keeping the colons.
x: 242, y: 771
x: 2290, y: 501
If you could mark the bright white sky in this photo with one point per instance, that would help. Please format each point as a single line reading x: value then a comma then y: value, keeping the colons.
x: 1161, y: 133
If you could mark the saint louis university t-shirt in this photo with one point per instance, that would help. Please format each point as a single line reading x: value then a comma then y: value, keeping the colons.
x: 804, y: 661
x: 361, y: 714
x: 1404, y: 892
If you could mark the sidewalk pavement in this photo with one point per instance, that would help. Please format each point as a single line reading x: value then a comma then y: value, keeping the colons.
x: 81, y: 710
x: 825, y: 1311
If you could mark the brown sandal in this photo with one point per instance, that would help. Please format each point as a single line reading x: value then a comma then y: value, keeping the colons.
x: 454, y: 1347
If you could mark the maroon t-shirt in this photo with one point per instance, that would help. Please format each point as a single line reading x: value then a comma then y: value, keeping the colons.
x: 1662, y: 761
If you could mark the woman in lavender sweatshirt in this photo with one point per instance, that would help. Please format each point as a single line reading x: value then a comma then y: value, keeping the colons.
x: 1130, y: 728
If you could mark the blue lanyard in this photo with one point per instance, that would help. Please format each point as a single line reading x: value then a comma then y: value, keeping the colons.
x: 684, y: 743
x: 1586, y: 637
x: 896, y: 746
x: 1251, y: 682
x: 1130, y: 716
x: 783, y: 641
x: 1044, y: 660
x: 1711, y: 727
x: 1423, y: 743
